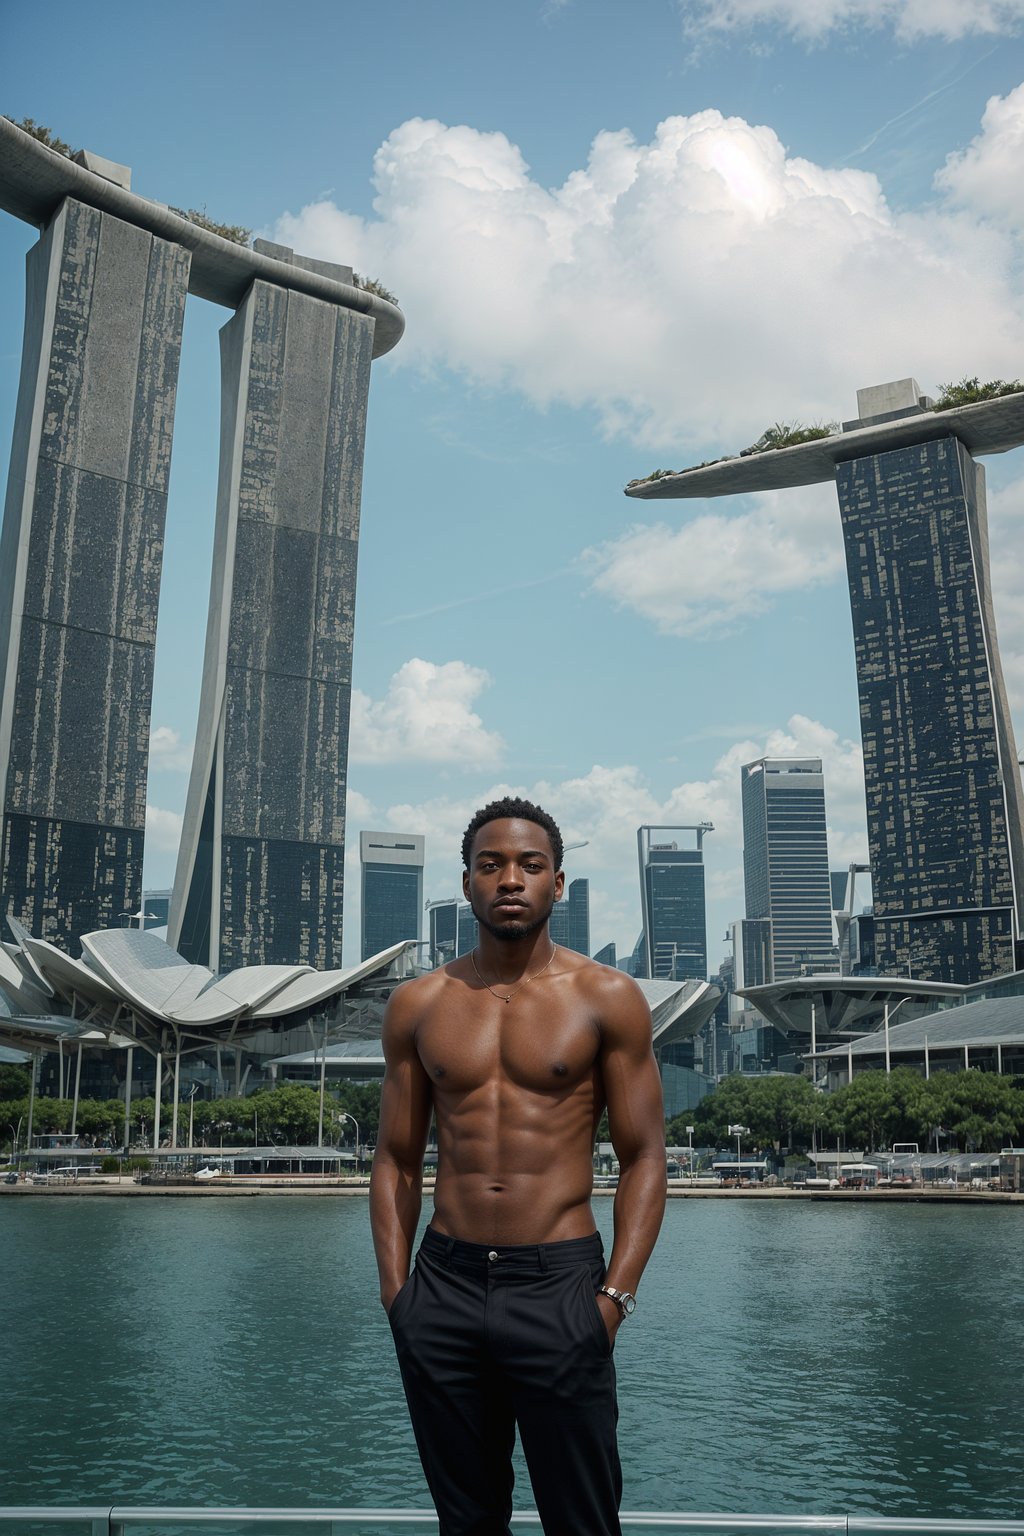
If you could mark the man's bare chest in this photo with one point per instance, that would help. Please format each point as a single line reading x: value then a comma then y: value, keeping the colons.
x: 493, y: 1044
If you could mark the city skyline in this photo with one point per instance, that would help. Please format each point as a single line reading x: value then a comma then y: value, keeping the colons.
x: 703, y: 231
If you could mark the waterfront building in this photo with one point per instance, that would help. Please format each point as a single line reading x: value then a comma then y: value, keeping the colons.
x: 391, y: 865
x: 785, y: 863
x: 570, y: 918
x: 944, y: 800
x: 940, y: 764
x: 606, y: 956
x: 259, y: 876
x: 674, y: 938
x: 443, y: 935
x: 80, y: 562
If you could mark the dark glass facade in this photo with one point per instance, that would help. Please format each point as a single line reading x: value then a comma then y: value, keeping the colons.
x: 444, y: 931
x: 570, y: 918
x: 785, y: 862
x: 941, y: 775
x: 392, y: 889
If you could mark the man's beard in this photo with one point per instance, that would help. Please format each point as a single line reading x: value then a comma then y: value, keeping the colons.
x: 511, y: 933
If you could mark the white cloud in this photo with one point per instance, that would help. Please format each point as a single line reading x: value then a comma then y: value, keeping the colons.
x: 426, y: 716
x: 813, y: 20
x: 167, y: 751
x: 163, y: 830
x: 607, y: 804
x: 715, y: 571
x: 988, y: 176
x: 690, y: 289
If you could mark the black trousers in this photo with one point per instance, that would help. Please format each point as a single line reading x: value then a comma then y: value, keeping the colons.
x: 491, y: 1338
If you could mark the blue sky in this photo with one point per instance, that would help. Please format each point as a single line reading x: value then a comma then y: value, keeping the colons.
x: 621, y: 240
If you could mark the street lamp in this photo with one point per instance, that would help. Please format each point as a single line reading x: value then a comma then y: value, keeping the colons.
x: 343, y: 1116
x: 191, y: 1112
x: 689, y: 1133
x: 738, y: 1131
x: 889, y: 1013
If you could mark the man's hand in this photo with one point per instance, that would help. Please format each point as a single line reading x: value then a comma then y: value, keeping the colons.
x: 388, y: 1295
x: 609, y: 1310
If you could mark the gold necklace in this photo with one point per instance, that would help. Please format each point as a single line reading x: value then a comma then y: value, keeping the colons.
x: 502, y: 998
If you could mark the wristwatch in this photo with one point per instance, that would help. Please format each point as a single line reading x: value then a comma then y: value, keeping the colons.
x: 624, y: 1300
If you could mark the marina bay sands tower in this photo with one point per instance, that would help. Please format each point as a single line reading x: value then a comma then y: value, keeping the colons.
x: 943, y: 787
x: 259, y: 876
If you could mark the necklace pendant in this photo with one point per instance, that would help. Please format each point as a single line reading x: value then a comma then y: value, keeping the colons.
x: 509, y: 998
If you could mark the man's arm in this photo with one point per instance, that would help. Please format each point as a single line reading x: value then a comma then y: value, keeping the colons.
x: 636, y: 1118
x: 396, y: 1181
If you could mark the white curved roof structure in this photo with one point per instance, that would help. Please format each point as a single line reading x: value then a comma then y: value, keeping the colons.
x: 132, y: 980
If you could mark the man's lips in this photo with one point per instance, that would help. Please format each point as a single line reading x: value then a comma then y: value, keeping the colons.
x: 509, y: 906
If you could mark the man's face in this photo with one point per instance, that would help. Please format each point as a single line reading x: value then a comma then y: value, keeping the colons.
x: 512, y: 883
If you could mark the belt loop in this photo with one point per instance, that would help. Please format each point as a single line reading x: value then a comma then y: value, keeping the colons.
x: 542, y: 1258
x: 449, y: 1249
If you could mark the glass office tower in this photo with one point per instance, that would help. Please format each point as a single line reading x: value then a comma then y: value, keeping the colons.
x: 570, y: 918
x: 785, y: 863
x: 392, y: 888
x: 674, y: 940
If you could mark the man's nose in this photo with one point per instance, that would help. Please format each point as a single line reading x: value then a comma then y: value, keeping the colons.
x: 511, y: 878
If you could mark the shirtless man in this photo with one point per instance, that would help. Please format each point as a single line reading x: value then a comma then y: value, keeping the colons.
x: 510, y: 1313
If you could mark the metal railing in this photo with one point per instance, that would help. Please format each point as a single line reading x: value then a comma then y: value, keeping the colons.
x: 115, y: 1520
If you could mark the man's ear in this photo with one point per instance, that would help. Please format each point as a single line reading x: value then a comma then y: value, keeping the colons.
x: 559, y: 884
x: 465, y: 883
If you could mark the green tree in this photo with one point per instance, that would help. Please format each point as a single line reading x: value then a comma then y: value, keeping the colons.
x: 982, y: 1111
x: 14, y: 1082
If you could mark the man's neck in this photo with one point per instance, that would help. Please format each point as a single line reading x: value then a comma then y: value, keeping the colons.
x: 509, y: 959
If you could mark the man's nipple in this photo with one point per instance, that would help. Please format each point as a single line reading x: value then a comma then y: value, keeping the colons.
x: 560, y: 1069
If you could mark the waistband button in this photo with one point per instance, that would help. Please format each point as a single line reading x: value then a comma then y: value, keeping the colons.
x: 491, y: 1256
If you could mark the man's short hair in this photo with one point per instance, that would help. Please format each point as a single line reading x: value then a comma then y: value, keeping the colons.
x: 511, y: 808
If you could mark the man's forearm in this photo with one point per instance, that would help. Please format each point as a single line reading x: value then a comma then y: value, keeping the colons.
x: 396, y: 1196
x: 638, y: 1212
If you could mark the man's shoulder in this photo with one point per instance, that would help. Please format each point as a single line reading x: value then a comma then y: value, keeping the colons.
x: 613, y: 988
x: 419, y: 992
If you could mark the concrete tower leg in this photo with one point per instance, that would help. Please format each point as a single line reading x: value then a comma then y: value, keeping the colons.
x: 260, y: 870
x: 80, y: 560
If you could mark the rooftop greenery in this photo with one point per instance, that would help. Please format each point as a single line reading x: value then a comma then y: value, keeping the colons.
x: 44, y: 135
x: 236, y: 233
x: 971, y: 391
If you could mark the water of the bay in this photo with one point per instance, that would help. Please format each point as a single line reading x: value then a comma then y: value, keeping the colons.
x: 785, y: 1357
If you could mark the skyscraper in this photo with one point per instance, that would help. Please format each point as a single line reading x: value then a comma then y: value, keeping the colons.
x: 675, y: 942
x: 785, y: 863
x: 80, y: 566
x: 944, y: 800
x: 261, y: 864
x: 392, y: 876
x: 606, y: 955
x: 570, y: 918
x: 940, y: 765
x: 469, y: 929
x: 443, y: 934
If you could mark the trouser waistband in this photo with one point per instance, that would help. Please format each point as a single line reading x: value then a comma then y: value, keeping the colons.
x: 478, y: 1258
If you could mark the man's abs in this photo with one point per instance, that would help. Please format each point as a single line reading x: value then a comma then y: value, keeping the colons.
x: 520, y: 1208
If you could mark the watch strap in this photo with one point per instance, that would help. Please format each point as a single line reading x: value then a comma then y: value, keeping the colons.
x: 624, y: 1300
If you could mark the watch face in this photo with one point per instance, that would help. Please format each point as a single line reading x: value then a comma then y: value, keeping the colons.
x: 628, y: 1303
